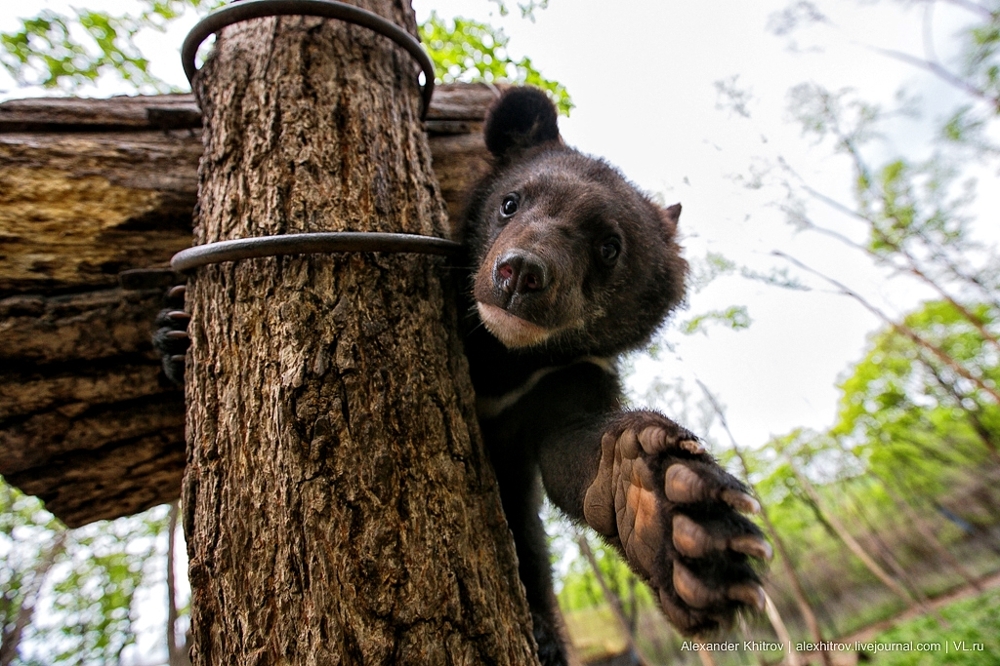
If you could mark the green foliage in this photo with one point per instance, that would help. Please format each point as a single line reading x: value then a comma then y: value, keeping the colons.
x: 733, y: 98
x: 705, y: 271
x: 580, y: 589
x: 29, y: 547
x: 470, y: 51
x: 734, y: 317
x: 80, y: 584
x: 916, y: 210
x: 972, y: 639
x: 980, y: 71
x: 527, y: 8
x: 49, y: 52
x: 915, y: 205
x: 839, y: 114
x: 911, y: 435
x: 905, y: 410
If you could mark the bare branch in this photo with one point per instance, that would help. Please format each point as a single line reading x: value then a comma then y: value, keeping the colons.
x: 798, y: 590
x: 912, y: 267
x: 902, y: 329
x: 176, y: 655
x: 613, y: 600
x: 970, y: 6
x: 942, y: 73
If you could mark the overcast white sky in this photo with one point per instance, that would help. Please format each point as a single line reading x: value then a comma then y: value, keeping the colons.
x: 642, y: 75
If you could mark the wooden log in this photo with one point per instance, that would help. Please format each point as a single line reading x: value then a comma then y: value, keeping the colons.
x: 78, y: 209
x: 140, y: 407
x: 116, y: 480
x: 451, y: 106
x: 116, y: 113
x: 67, y: 328
x: 91, y: 188
x: 71, y: 391
x: 89, y: 191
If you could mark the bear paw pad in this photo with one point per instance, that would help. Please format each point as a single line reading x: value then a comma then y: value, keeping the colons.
x: 676, y: 515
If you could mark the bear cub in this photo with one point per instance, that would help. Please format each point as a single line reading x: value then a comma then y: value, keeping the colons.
x: 571, y: 266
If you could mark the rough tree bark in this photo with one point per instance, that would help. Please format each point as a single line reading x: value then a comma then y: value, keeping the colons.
x: 338, y: 504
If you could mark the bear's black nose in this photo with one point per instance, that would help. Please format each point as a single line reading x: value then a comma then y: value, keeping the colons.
x: 519, y: 272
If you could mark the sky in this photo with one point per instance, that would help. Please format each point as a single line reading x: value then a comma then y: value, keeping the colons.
x: 643, y: 76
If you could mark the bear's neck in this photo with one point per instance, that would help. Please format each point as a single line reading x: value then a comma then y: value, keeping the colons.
x: 502, y: 374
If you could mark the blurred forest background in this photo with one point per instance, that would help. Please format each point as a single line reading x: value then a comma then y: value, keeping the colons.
x: 885, y: 525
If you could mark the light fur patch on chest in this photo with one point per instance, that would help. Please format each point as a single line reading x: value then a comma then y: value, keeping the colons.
x: 491, y: 407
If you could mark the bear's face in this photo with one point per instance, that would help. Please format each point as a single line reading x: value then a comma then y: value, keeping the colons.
x: 570, y: 256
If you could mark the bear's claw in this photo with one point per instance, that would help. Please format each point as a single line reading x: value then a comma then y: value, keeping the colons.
x: 654, y: 440
x: 692, y: 540
x: 171, y: 338
x: 697, y: 595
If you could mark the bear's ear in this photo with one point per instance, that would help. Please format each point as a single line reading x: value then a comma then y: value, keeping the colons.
x: 671, y: 216
x: 521, y: 118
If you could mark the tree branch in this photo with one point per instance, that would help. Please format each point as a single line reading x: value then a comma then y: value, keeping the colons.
x: 902, y: 329
x: 798, y: 589
x: 942, y: 73
x: 912, y: 267
x: 613, y: 600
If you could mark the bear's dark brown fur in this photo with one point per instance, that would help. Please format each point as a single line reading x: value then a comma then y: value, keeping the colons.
x: 572, y: 267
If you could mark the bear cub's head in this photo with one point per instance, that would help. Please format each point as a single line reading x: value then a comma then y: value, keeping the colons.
x: 570, y: 257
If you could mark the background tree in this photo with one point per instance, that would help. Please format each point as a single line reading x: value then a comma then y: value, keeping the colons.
x: 70, y: 596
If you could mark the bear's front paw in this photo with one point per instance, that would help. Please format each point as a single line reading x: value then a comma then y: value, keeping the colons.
x: 170, y: 339
x: 676, y: 515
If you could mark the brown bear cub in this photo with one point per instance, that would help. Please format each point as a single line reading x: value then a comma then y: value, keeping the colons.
x: 574, y: 266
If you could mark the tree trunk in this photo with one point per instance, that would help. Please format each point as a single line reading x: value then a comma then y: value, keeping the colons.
x: 338, y: 503
x: 848, y: 539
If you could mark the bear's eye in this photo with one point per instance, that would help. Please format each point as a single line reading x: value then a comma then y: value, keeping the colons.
x: 610, y: 250
x: 509, y: 204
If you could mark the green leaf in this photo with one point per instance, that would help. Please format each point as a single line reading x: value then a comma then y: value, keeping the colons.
x: 734, y: 317
x: 468, y: 51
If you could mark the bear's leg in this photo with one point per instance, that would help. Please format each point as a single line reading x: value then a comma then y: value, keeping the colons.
x: 521, y: 497
x: 648, y: 487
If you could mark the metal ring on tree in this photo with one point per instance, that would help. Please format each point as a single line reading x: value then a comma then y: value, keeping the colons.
x: 311, y: 243
x: 250, y: 9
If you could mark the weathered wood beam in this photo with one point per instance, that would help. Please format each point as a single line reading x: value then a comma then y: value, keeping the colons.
x: 119, y: 479
x: 37, y: 329
x: 90, y: 188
